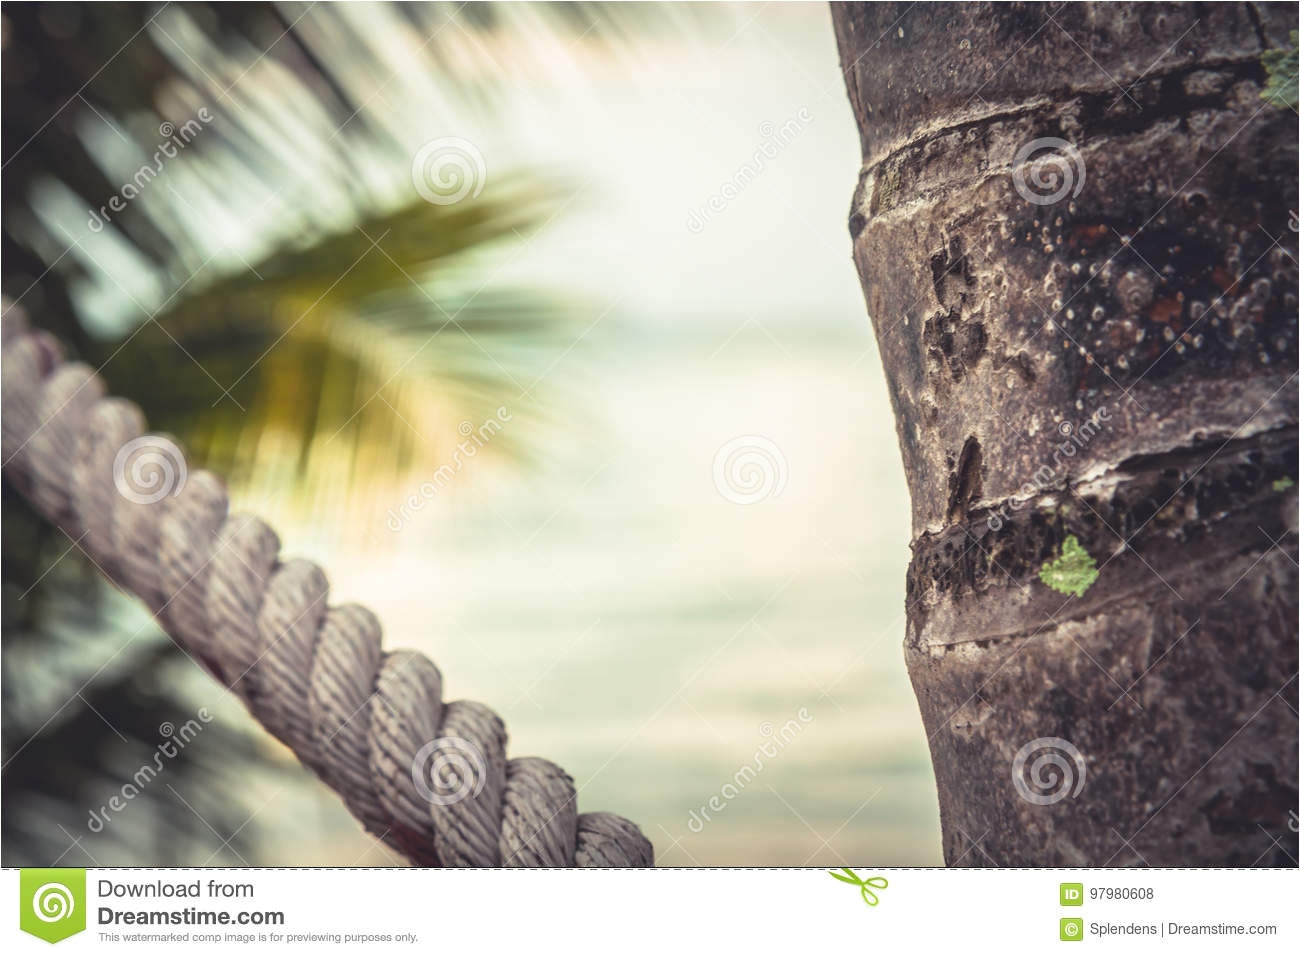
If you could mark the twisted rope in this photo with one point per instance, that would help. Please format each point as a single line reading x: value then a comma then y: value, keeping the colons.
x: 429, y: 778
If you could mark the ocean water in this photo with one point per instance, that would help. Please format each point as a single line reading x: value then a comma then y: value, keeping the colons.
x: 636, y: 623
x: 628, y: 619
x: 688, y: 590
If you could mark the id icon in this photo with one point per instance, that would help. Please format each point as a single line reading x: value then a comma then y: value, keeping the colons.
x: 1071, y: 895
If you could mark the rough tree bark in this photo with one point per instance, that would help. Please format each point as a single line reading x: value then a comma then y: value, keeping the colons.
x: 1090, y: 344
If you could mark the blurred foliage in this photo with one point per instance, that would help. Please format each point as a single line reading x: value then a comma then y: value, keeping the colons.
x: 278, y: 298
x: 327, y: 309
x: 87, y: 687
x: 338, y: 351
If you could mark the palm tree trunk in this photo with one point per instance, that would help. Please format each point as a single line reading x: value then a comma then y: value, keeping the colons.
x: 1074, y: 235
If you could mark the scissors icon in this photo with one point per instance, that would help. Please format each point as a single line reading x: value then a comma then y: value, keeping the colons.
x: 868, y: 895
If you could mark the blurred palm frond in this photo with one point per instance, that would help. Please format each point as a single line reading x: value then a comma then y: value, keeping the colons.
x: 274, y: 293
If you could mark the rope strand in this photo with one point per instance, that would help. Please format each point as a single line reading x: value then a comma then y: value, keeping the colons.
x: 430, y: 779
